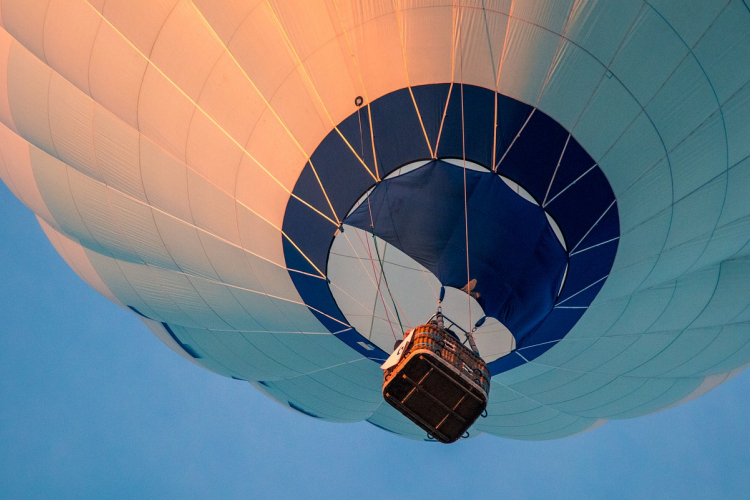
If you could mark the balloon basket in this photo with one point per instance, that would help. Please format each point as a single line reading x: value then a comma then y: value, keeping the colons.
x: 437, y: 383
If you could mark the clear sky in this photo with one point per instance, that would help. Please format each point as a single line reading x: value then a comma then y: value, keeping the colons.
x: 92, y: 405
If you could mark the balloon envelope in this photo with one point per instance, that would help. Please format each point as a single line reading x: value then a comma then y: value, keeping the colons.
x: 212, y: 166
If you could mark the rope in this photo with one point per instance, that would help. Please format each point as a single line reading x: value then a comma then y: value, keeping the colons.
x: 382, y: 268
x: 385, y: 279
x: 463, y: 145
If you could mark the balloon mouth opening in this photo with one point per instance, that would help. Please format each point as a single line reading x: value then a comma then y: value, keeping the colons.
x: 389, y: 260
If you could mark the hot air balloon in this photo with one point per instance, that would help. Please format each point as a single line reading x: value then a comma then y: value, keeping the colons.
x: 281, y: 188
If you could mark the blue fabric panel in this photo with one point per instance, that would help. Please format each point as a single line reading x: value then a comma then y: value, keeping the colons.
x: 535, y: 351
x: 398, y: 134
x: 431, y: 101
x: 574, y: 163
x: 587, y: 192
x: 514, y: 255
x: 474, y: 129
x: 587, y: 268
x: 607, y: 229
x: 549, y: 331
x: 356, y: 130
x: 312, y: 193
x: 342, y: 174
x: 533, y: 158
x: 506, y: 363
x: 320, y: 234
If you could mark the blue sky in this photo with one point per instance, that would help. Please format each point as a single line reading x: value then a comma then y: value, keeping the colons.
x: 92, y: 405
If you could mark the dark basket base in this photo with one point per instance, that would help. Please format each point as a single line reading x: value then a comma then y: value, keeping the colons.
x: 433, y: 394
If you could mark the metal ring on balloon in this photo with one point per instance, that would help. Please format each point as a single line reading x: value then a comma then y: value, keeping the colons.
x: 439, y: 213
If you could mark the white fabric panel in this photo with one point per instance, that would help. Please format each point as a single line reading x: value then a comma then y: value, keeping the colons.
x: 651, y: 194
x: 376, y: 46
x: 185, y: 48
x: 118, y: 154
x: 529, y: 52
x: 28, y: 90
x: 684, y: 102
x: 600, y: 27
x: 225, y: 17
x: 480, y: 46
x: 18, y: 174
x: 730, y: 340
x: 553, y: 16
x: 429, y: 35
x: 158, y: 330
x: 261, y: 50
x: 218, y: 297
x: 52, y: 178
x: 182, y: 291
x: 613, y: 104
x: 228, y: 82
x: 147, y: 284
x: 259, y: 235
x: 71, y: 117
x: 75, y: 256
x: 213, y: 153
x: 164, y: 113
x: 724, y: 49
x: 572, y: 80
x: 700, y: 157
x: 691, y: 295
x: 92, y: 202
x: 140, y: 21
x: 184, y: 246
x: 136, y: 223
x: 213, y: 209
x: 684, y: 347
x: 116, y: 74
x: 636, y: 56
x: 70, y: 28
x: 112, y: 275
x: 165, y: 180
x: 636, y: 153
x: 25, y: 20
x: 6, y: 43
x: 734, y: 111
x: 630, y: 270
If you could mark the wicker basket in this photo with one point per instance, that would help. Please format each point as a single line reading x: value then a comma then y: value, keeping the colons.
x: 438, y: 384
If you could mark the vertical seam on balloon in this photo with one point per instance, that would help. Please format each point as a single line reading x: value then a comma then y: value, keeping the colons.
x: 301, y: 65
x: 406, y: 71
